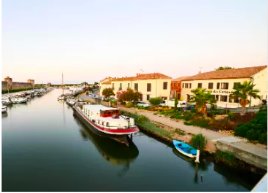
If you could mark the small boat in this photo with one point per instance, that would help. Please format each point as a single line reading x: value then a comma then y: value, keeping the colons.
x: 185, y: 148
x: 4, y: 109
x: 71, y: 102
x: 107, y: 122
x: 6, y: 101
x: 61, y: 97
x: 18, y: 100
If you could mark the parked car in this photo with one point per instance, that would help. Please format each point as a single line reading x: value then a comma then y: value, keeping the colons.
x: 142, y: 104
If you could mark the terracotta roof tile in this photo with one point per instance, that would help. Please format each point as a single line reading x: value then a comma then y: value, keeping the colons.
x: 228, y: 73
x: 143, y: 77
x: 180, y: 78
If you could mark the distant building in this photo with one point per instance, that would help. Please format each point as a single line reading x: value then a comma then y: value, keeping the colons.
x: 8, y: 84
x: 222, y: 82
x: 149, y: 85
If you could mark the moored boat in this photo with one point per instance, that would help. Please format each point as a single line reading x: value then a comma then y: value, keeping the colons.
x: 107, y: 122
x: 185, y: 148
x: 17, y: 100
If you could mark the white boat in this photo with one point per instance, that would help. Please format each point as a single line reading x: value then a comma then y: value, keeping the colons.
x: 71, y: 102
x: 61, y: 97
x: 6, y: 101
x: 106, y: 122
x: 17, y: 100
x: 4, y: 109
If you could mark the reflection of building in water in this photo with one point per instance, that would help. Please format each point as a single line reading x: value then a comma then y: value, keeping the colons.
x: 114, y: 152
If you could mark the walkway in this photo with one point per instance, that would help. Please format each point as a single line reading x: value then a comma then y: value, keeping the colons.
x: 257, y: 151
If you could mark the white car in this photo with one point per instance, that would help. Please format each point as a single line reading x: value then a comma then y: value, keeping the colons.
x: 142, y: 104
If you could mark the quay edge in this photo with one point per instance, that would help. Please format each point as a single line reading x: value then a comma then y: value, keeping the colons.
x: 251, y: 162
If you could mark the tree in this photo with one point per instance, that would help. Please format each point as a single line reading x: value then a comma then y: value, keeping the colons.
x: 176, y: 102
x: 128, y: 95
x: 201, y: 97
x: 155, y: 101
x: 243, y: 92
x: 107, y: 92
x: 223, y: 68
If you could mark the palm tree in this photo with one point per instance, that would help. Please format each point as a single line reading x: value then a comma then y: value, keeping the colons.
x: 201, y: 97
x: 243, y: 92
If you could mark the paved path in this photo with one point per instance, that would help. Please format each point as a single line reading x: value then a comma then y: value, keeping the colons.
x: 212, y: 136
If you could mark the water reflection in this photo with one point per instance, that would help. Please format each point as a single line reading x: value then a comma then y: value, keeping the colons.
x: 112, y: 151
x: 203, y: 166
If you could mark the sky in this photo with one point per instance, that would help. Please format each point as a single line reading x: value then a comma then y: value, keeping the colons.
x: 89, y: 40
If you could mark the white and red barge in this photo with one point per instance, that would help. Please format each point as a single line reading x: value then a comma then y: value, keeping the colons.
x: 107, y: 122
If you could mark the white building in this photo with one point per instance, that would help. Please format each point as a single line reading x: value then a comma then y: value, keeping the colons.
x: 221, y: 84
x: 149, y: 85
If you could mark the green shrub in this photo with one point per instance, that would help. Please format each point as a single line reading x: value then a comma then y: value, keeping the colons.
x: 129, y: 104
x: 256, y: 129
x: 199, y: 141
x: 155, y: 101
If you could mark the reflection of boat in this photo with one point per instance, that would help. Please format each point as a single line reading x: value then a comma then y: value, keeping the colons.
x: 106, y: 122
x: 4, y: 109
x: 112, y: 151
x: 185, y: 148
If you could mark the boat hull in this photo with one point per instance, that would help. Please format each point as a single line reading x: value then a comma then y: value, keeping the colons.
x: 185, y: 149
x: 125, y: 139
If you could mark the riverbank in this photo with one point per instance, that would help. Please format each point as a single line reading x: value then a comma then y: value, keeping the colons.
x: 252, y: 157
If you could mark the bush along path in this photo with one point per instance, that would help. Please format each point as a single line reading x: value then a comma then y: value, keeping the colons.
x: 167, y: 129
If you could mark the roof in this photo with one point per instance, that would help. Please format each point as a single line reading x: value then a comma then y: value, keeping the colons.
x: 180, y: 78
x: 246, y: 72
x: 143, y: 77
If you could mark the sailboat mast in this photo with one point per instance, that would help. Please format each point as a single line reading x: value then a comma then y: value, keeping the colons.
x: 62, y: 83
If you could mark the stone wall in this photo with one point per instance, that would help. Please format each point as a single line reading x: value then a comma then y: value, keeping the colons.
x: 16, y: 85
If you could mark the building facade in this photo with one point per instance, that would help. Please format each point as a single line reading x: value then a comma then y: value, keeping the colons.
x: 176, y: 87
x: 222, y: 82
x: 149, y: 85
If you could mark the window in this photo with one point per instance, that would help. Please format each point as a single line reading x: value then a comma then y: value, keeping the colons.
x: 236, y: 84
x: 224, y: 85
x: 120, y: 87
x: 149, y: 87
x: 199, y: 85
x: 236, y: 100
x: 186, y: 85
x: 217, y: 97
x: 218, y: 85
x: 182, y: 85
x: 190, y: 85
x: 148, y: 97
x: 164, y: 85
x: 136, y: 86
x: 113, y: 86
x: 128, y: 85
x: 223, y: 98
x: 210, y: 85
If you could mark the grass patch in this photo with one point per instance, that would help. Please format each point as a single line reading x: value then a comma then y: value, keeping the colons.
x: 226, y: 157
x: 145, y: 124
x: 179, y: 132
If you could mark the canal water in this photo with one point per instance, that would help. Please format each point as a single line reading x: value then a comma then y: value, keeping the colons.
x: 45, y: 148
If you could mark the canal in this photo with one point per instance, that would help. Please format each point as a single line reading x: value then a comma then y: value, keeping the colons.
x: 45, y: 148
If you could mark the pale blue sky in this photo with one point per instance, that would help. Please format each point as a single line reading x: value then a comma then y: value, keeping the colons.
x: 89, y: 40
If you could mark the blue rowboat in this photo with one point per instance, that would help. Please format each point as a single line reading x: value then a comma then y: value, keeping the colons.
x: 185, y: 148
